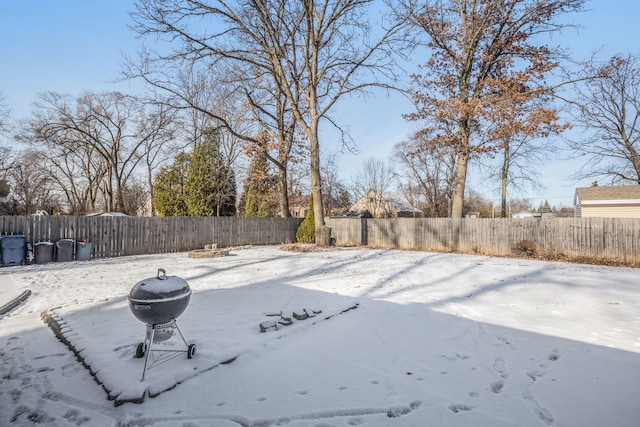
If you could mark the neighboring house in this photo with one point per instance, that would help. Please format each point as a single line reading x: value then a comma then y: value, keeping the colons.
x: 299, y: 205
x: 389, y: 206
x: 146, y: 208
x: 107, y: 214
x: 526, y: 214
x: 608, y: 202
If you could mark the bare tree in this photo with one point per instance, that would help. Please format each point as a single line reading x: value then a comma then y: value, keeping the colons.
x: 427, y: 174
x: 161, y: 125
x: 285, y: 133
x: 31, y: 188
x: 112, y: 127
x: 6, y: 164
x: 374, y: 175
x: 521, y: 128
x: 77, y: 172
x: 337, y: 197
x: 6, y: 161
x: 5, y: 152
x: 315, y: 52
x: 5, y: 115
x: 480, y: 51
x: 608, y: 109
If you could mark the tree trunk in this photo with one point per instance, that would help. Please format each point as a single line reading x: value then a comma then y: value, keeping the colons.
x: 457, y: 203
x: 323, y: 236
x: 284, y: 193
x: 463, y: 154
x: 504, y: 179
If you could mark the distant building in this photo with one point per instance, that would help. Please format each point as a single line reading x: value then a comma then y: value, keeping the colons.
x: 146, y: 209
x: 608, y: 202
x: 388, y: 206
x: 526, y: 214
x: 107, y: 214
x: 299, y: 205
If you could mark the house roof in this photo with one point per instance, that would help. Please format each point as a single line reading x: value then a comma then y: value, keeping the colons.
x: 107, y: 214
x: 610, y: 194
x: 401, y: 204
x: 396, y: 200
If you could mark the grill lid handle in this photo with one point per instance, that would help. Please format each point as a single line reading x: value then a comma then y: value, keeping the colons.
x: 162, y: 275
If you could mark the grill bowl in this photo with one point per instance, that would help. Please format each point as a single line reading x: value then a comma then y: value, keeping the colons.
x: 160, y: 299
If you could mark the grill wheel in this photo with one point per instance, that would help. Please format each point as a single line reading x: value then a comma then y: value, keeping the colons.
x: 140, y: 351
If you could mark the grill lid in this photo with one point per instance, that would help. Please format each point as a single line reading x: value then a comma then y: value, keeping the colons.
x: 159, y: 288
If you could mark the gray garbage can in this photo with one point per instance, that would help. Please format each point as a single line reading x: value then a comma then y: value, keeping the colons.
x: 64, y: 250
x: 83, y: 251
x: 43, y: 252
x: 13, y: 249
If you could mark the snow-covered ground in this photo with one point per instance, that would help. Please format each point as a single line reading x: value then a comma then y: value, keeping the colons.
x: 430, y: 339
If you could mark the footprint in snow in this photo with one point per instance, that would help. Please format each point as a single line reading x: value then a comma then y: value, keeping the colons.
x: 73, y: 416
x: 497, y: 387
x: 542, y: 413
x: 70, y: 370
x: 534, y: 375
x: 555, y: 355
x: 400, y: 411
x: 500, y: 367
x: 506, y: 341
x: 459, y: 407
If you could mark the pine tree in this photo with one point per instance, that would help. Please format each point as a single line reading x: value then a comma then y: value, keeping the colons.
x: 261, y: 188
x: 250, y: 203
x: 210, y: 188
x: 199, y: 186
x: 545, y: 207
x: 306, y: 232
x: 168, y: 188
x: 265, y: 209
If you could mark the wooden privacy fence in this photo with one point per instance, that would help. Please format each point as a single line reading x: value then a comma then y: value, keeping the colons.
x: 597, y: 239
x: 119, y: 236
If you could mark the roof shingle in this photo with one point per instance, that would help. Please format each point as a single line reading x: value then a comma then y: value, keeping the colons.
x: 622, y: 192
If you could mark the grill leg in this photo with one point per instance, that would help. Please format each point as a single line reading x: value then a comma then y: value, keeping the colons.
x: 181, y: 334
x: 146, y: 358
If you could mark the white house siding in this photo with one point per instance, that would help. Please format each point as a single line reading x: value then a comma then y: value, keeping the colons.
x: 609, y: 211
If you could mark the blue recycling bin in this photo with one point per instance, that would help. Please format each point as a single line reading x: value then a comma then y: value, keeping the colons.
x: 13, y: 249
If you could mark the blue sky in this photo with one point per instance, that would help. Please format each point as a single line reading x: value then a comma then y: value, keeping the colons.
x: 72, y: 46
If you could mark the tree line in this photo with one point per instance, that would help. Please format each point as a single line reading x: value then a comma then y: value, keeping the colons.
x: 236, y: 94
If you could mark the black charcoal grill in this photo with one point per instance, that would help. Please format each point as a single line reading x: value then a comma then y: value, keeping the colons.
x: 158, y: 302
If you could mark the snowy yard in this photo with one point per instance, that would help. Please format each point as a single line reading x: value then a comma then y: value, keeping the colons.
x: 404, y: 339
